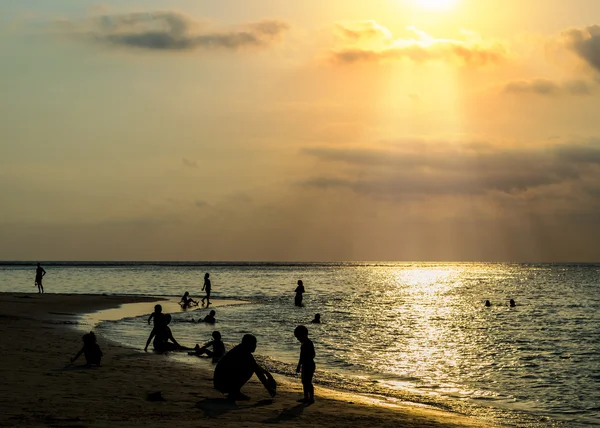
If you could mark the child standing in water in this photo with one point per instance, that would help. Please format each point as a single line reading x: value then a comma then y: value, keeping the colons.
x: 159, y: 323
x: 90, y: 349
x: 306, y: 364
x: 299, y: 290
x: 207, y: 286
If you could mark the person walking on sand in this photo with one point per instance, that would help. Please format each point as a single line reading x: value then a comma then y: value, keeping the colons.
x: 207, y: 286
x: 299, y: 291
x: 306, y: 364
x: 39, y: 274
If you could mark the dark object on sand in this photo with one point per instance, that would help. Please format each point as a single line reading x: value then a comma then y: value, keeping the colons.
x: 155, y: 396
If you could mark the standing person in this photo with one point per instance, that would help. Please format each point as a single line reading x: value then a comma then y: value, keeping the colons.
x: 306, y: 364
x: 207, y: 286
x: 299, y: 290
x: 39, y: 274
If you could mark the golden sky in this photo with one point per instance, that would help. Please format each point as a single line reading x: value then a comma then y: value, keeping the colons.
x: 306, y: 131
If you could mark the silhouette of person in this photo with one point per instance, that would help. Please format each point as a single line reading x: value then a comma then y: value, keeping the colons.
x: 306, y: 364
x: 487, y: 304
x: 163, y: 336
x: 299, y: 291
x: 512, y: 303
x: 218, y: 348
x: 186, y: 301
x: 317, y: 319
x: 207, y: 286
x: 237, y: 367
x: 210, y: 318
x: 90, y: 349
x: 39, y: 274
x: 159, y: 323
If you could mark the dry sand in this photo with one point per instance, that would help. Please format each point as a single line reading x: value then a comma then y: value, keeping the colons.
x: 39, y: 387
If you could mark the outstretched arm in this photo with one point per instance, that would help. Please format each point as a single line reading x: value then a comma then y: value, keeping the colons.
x: 263, y: 379
x: 77, y: 355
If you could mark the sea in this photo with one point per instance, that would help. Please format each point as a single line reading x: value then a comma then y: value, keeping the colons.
x: 405, y: 332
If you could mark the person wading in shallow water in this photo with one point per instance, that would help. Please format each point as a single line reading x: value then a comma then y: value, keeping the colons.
x: 299, y: 291
x: 39, y: 274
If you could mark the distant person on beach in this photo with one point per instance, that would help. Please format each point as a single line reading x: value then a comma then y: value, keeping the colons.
x: 39, y: 274
x: 159, y: 323
x: 317, y: 319
x: 186, y: 301
x: 210, y: 318
x: 237, y: 367
x: 512, y: 303
x: 306, y: 364
x: 299, y: 291
x: 164, y: 340
x: 487, y: 304
x: 218, y: 348
x: 207, y: 286
x: 90, y: 349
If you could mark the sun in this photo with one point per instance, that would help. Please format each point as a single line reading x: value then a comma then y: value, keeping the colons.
x: 437, y: 5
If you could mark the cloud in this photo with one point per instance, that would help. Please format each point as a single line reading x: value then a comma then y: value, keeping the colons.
x: 189, y: 163
x: 585, y: 42
x: 547, y: 87
x: 446, y: 169
x: 173, y: 31
x: 200, y: 203
x: 367, y: 41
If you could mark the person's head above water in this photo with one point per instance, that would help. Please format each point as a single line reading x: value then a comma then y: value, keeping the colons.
x: 317, y: 316
x: 249, y: 342
x: 487, y: 303
x: 212, y: 313
x: 216, y: 335
x: 512, y: 303
x: 301, y: 332
x: 158, y: 309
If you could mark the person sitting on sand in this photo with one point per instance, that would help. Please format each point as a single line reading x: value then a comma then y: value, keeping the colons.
x: 237, y: 367
x: 210, y: 318
x: 159, y: 323
x: 317, y: 319
x: 306, y: 364
x: 299, y: 291
x: 39, y: 274
x: 186, y: 301
x: 163, y: 336
x: 91, y: 350
x: 218, y: 348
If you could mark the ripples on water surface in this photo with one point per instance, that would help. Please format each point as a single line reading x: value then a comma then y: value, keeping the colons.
x: 412, y: 331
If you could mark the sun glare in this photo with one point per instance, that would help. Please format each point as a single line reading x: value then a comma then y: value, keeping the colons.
x: 437, y: 5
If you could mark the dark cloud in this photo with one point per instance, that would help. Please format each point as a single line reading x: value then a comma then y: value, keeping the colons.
x: 189, y: 163
x: 547, y: 87
x: 585, y: 42
x: 173, y: 31
x: 420, y: 48
x: 452, y: 170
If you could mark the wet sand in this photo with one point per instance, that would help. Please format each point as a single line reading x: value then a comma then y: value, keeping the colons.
x: 40, y: 388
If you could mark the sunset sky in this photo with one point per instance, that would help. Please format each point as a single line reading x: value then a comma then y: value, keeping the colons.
x: 300, y: 130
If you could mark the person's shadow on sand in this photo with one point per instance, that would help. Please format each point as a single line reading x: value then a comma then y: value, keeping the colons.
x: 215, y: 407
x: 286, y: 414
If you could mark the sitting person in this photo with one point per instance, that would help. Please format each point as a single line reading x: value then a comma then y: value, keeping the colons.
x: 90, y: 349
x: 237, y: 367
x: 186, y: 301
x: 218, y: 348
x: 210, y: 318
x: 163, y: 336
x: 317, y: 319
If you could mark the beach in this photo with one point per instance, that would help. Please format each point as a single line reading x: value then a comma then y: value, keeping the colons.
x: 41, y: 388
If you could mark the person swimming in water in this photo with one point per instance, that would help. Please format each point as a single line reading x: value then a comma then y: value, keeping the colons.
x: 237, y: 367
x: 317, y: 319
x: 218, y: 348
x: 210, y: 318
x: 299, y: 291
x: 487, y: 304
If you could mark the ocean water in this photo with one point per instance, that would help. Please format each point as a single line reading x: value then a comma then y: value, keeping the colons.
x: 407, y: 331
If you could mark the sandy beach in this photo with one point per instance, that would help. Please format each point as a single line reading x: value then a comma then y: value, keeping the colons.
x: 41, y: 388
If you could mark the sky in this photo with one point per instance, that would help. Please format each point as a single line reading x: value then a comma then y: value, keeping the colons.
x: 274, y: 130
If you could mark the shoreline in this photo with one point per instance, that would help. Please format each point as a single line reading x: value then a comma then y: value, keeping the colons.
x: 42, y: 389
